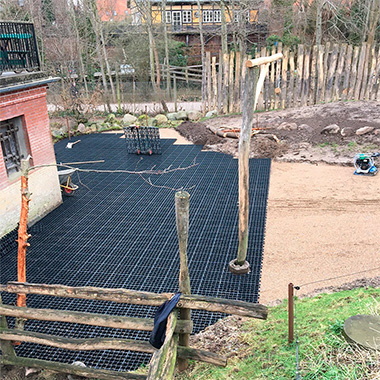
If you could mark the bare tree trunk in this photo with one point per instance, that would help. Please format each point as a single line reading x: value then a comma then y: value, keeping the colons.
x: 223, y: 30
x: 318, y: 26
x: 167, y: 73
x: 374, y: 17
x: 203, y: 56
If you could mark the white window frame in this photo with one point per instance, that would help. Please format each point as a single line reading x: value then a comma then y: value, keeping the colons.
x: 187, y: 17
x: 218, y: 16
x: 207, y: 16
x: 168, y: 17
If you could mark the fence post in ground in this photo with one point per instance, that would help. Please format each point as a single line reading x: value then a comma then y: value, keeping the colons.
x: 6, y: 347
x: 252, y: 88
x: 182, y: 200
x: 290, y: 313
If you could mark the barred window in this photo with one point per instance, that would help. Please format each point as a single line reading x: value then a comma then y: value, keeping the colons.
x: 13, y: 144
x: 186, y: 17
x: 168, y: 17
x: 208, y: 16
x: 217, y: 16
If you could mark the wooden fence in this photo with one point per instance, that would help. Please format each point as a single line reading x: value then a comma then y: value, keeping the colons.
x: 307, y: 75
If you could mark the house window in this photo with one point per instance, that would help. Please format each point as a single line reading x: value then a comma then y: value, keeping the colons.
x: 13, y: 144
x: 208, y: 16
x: 186, y: 17
x: 168, y: 17
x: 217, y: 16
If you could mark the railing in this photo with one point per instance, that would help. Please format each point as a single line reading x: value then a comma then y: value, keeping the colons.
x: 18, y: 47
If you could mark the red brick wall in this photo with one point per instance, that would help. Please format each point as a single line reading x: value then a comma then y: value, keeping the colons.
x: 31, y: 105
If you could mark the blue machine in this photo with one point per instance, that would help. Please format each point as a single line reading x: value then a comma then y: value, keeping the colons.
x: 365, y: 164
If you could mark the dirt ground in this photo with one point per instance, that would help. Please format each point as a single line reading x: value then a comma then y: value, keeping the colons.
x: 323, y: 222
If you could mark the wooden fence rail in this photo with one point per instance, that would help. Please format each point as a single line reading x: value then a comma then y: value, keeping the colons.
x: 307, y: 75
x: 163, y: 361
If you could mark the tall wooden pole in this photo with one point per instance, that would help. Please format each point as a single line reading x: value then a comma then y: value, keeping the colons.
x: 23, y: 235
x: 182, y: 200
x: 253, y: 84
x: 290, y: 313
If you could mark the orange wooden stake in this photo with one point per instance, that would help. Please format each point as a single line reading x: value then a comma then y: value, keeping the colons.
x: 23, y: 235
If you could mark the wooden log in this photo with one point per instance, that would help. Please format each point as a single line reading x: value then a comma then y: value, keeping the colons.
x: 114, y: 321
x: 72, y: 369
x: 326, y: 62
x: 371, y: 75
x: 375, y: 74
x: 263, y: 100
x: 214, y: 84
x: 277, y: 80
x: 162, y: 363
x: 337, y: 88
x: 236, y: 100
x: 284, y: 78
x: 272, y: 74
x: 220, y: 83
x: 313, y: 77
x: 209, y: 79
x: 377, y: 95
x: 194, y: 302
x: 225, y: 82
x: 201, y: 355
x: 354, y: 73
x: 361, y: 64
x: 76, y: 344
x: 346, y: 72
x: 290, y: 90
x: 363, y: 89
x: 263, y: 60
x: 6, y: 348
x: 299, y: 77
x: 23, y: 235
x: 331, y: 73
x: 231, y: 82
x: 321, y: 74
x: 250, y: 93
x: 182, y: 203
x: 305, y: 83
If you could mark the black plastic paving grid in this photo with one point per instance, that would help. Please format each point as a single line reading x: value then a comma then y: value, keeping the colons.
x: 121, y: 233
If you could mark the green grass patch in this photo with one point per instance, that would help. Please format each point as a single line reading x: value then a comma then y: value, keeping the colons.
x: 323, y: 352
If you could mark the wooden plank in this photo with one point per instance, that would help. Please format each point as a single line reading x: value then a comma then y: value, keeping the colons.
x: 337, y: 88
x: 214, y: 84
x: 313, y: 76
x: 331, y: 72
x: 377, y: 95
x: 272, y: 73
x: 363, y: 89
x: 346, y: 72
x: 92, y: 319
x: 326, y: 61
x: 263, y: 102
x: 299, y: 77
x: 231, y: 82
x: 263, y: 59
x: 354, y: 73
x: 361, y: 64
x: 284, y: 77
x: 162, y: 363
x: 192, y: 301
x: 209, y: 79
x: 236, y: 100
x: 76, y: 344
x: 72, y: 369
x: 371, y: 81
x: 306, y: 77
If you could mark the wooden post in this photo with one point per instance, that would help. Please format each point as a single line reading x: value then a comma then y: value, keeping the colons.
x: 290, y: 313
x: 182, y: 201
x: 252, y: 87
x: 23, y: 235
x: 175, y: 92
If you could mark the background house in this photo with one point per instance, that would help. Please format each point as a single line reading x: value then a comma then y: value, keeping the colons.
x: 24, y: 127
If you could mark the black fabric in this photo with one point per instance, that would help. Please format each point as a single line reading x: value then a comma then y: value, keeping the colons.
x: 158, y: 334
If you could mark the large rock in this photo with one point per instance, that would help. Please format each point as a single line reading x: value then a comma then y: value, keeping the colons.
x: 305, y: 127
x: 81, y: 128
x: 181, y: 115
x: 160, y: 119
x: 212, y: 113
x: 194, y: 115
x: 331, y: 129
x: 347, y: 131
x: 129, y: 119
x: 171, y: 116
x: 364, y: 130
x: 285, y: 126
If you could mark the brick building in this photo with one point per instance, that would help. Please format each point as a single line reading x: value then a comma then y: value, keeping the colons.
x: 24, y: 131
